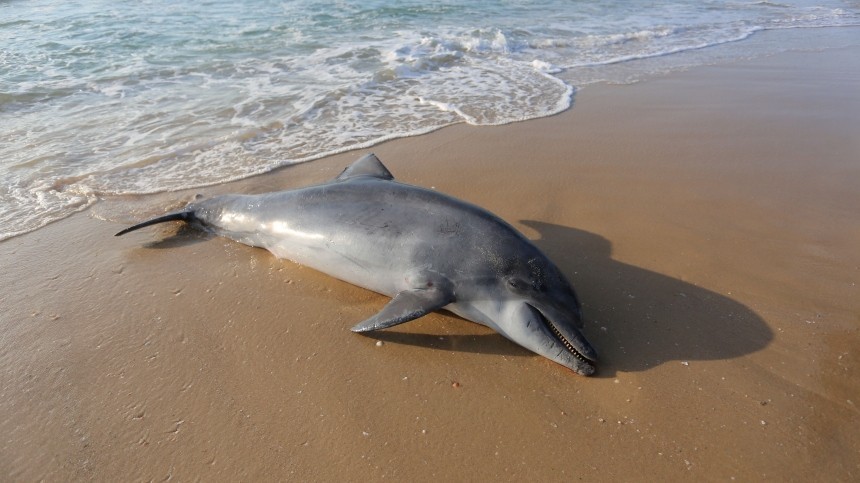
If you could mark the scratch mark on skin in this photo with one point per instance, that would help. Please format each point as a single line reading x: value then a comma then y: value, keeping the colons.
x: 449, y: 228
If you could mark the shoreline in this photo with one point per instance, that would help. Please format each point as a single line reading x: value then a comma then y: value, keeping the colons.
x: 706, y: 219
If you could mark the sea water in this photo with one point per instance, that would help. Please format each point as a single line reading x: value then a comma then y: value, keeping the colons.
x: 102, y: 98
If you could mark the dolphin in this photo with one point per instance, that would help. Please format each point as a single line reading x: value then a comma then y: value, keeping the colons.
x: 426, y: 250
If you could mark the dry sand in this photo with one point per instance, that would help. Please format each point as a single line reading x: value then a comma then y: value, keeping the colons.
x: 709, y: 220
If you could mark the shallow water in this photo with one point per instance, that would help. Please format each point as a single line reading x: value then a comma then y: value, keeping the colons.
x: 103, y: 98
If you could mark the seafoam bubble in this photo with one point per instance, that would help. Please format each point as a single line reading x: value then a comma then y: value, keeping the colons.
x: 545, y: 67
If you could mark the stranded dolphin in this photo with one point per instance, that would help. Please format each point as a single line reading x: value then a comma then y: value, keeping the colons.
x: 426, y: 250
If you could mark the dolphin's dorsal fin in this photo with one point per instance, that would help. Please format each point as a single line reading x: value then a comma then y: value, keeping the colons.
x: 405, y: 306
x: 368, y: 165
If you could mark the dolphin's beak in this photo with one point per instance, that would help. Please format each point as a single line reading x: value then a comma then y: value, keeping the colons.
x: 567, y: 345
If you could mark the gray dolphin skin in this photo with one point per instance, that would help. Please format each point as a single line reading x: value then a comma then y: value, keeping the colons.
x: 426, y: 250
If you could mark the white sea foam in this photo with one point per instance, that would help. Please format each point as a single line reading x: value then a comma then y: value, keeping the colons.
x: 141, y: 98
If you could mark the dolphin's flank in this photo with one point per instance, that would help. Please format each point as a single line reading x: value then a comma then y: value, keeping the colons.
x: 426, y: 250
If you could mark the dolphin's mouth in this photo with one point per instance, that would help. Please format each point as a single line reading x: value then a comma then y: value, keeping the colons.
x: 566, y: 343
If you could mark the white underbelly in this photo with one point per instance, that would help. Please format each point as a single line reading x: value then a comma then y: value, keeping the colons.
x: 376, y: 274
x: 375, y: 263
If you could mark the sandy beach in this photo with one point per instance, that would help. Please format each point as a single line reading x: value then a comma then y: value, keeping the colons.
x: 708, y: 220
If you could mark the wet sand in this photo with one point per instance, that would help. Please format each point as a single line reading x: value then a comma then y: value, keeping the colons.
x: 708, y: 219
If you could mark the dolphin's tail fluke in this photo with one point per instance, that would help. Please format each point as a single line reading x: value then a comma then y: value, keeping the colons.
x: 186, y: 216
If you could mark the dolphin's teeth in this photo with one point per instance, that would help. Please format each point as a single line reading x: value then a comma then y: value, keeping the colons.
x: 566, y: 342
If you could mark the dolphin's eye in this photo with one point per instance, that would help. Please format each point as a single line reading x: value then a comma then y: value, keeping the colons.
x: 515, y: 284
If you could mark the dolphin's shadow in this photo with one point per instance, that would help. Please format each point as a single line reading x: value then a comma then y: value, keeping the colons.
x: 636, y: 319
x: 182, y: 236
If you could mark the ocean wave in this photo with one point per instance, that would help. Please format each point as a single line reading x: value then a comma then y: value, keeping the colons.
x: 111, y: 105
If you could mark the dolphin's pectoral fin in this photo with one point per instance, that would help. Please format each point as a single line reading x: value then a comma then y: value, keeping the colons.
x: 368, y: 165
x: 405, y: 306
